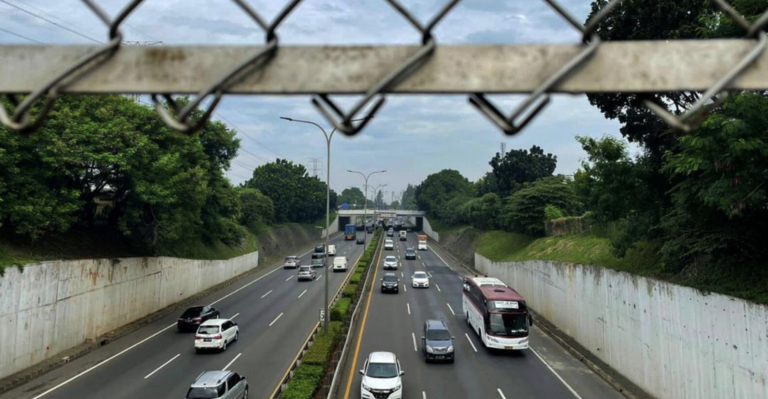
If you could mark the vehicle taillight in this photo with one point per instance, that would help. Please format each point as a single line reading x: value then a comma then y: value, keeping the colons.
x: 198, y: 319
x: 180, y: 319
x: 217, y: 336
x: 199, y: 337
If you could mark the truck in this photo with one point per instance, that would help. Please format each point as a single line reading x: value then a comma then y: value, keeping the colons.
x: 403, y: 235
x: 350, y: 232
x: 422, y: 242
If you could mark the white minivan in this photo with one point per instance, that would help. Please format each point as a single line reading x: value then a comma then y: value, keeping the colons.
x: 331, y: 250
x: 389, y: 244
x: 216, y: 334
x: 340, y: 263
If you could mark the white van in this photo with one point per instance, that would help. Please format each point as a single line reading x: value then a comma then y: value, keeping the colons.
x: 340, y: 263
x: 403, y: 235
x: 331, y: 250
x: 389, y: 244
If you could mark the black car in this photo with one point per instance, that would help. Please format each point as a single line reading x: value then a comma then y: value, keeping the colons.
x: 196, y: 315
x: 320, y: 248
x: 360, y: 240
x: 410, y: 253
x: 437, y: 341
x: 390, y: 283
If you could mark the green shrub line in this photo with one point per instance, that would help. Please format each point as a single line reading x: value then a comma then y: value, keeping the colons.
x: 309, y: 375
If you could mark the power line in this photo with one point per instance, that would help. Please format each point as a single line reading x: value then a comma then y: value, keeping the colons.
x: 21, y: 36
x: 51, y: 22
x: 246, y: 134
x: 56, y: 17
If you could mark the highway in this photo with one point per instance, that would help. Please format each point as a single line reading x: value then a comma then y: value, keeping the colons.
x: 393, y: 323
x: 275, y: 314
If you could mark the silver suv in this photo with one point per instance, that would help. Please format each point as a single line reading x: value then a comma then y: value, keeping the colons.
x: 218, y: 385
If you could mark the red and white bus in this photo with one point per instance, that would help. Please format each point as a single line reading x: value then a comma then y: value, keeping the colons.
x: 497, y: 313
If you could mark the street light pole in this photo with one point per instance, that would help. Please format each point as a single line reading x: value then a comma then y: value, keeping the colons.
x: 328, y: 138
x: 365, y: 212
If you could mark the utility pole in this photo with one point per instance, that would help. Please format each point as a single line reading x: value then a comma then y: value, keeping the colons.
x: 314, y: 162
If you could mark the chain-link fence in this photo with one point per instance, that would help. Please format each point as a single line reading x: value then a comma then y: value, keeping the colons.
x: 41, y: 73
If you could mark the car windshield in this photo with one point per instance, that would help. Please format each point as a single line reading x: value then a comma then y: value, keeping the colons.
x: 304, y: 269
x: 202, y: 393
x: 390, y: 259
x: 419, y: 275
x: 290, y: 259
x: 382, y: 370
x: 390, y: 278
x: 438, y: 335
x: 208, y: 330
x: 193, y: 312
x: 507, y: 324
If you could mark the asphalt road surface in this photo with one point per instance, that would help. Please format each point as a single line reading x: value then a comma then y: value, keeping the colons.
x: 393, y: 323
x: 274, y: 311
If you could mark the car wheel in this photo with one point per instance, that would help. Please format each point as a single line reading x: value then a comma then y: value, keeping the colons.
x: 245, y: 394
x: 468, y: 319
x: 237, y: 335
x: 197, y: 350
x: 224, y: 346
x: 453, y: 359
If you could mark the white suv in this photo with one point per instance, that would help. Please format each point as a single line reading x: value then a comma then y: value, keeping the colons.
x: 216, y: 334
x: 390, y: 262
x: 340, y: 263
x: 381, y: 377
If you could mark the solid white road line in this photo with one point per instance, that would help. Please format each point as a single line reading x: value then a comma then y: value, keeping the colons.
x: 555, y: 373
x: 438, y: 287
x: 415, y: 348
x: 230, y: 363
x: 470, y: 341
x: 409, y: 307
x: 275, y: 320
x: 270, y: 291
x: 450, y: 308
x: 233, y: 317
x: 289, y: 277
x: 501, y: 393
x: 161, y: 366
x: 104, y: 362
x: 300, y: 295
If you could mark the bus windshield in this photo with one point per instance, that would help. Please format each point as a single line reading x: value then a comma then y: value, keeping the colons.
x: 507, y: 324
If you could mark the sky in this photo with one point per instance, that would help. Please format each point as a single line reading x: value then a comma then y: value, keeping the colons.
x: 410, y: 137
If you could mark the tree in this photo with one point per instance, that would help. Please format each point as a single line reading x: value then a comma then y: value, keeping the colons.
x: 408, y: 200
x: 518, y: 167
x: 524, y: 211
x: 434, y: 193
x: 379, y: 201
x: 256, y: 208
x: 352, y: 196
x: 482, y: 212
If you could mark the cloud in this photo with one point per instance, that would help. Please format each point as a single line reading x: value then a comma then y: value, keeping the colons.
x: 411, y: 136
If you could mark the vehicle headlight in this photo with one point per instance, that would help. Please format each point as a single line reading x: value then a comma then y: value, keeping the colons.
x: 397, y: 387
x: 366, y: 387
x: 492, y: 339
x: 429, y: 349
x: 450, y: 348
x: 524, y: 341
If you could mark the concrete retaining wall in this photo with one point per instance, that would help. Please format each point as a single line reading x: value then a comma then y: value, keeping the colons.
x: 428, y: 230
x: 672, y: 341
x: 50, y: 307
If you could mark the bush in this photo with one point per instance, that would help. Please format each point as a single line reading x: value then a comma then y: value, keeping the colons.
x: 355, y: 279
x: 320, y: 352
x: 362, y: 263
x: 340, y: 309
x: 360, y: 269
x: 349, y: 291
x: 305, y: 382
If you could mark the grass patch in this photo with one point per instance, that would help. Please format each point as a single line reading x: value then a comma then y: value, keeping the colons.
x: 441, y: 227
x: 582, y: 249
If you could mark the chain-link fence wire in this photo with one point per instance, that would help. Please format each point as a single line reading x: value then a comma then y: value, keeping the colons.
x: 181, y: 118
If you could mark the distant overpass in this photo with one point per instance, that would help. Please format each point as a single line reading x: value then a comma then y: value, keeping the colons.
x: 383, y: 213
x: 415, y: 218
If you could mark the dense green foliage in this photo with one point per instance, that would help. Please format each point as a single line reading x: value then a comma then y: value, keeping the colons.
x: 525, y: 209
x: 296, y: 196
x: 353, y: 197
x: 109, y: 167
x: 306, y: 379
x: 340, y: 309
x: 515, y: 168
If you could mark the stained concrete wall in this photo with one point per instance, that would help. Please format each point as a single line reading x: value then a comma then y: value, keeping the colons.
x: 53, y: 306
x: 672, y: 341
x: 428, y: 231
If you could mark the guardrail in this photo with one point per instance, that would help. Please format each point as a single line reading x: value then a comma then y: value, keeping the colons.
x: 277, y: 393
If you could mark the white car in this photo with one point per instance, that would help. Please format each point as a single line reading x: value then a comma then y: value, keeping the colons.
x: 216, y: 334
x: 390, y: 262
x: 389, y: 244
x: 420, y: 279
x: 381, y: 377
x: 331, y: 250
x: 340, y: 263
